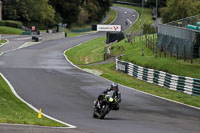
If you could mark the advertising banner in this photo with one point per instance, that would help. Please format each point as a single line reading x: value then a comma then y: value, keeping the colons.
x: 109, y: 28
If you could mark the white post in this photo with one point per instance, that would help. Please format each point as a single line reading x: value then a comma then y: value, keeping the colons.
x: 142, y: 27
x: 0, y: 10
x: 155, y: 49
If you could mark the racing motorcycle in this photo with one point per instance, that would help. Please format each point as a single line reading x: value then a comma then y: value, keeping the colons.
x: 106, y: 103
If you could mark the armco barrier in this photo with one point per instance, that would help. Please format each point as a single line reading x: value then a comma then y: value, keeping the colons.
x: 173, y: 82
x: 53, y: 36
x: 48, y: 36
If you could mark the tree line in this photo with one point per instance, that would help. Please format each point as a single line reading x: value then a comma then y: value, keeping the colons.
x: 172, y: 10
x: 51, y: 12
x: 178, y: 9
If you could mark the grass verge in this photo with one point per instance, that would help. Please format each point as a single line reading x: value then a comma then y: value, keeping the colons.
x: 2, y: 42
x: 113, y: 15
x: 167, y: 64
x: 93, y: 51
x: 110, y: 73
x: 10, y: 30
x: 86, y: 49
x: 13, y: 111
x: 89, y: 52
x: 147, y: 17
x: 72, y: 34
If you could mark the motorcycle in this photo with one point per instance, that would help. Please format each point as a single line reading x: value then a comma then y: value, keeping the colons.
x: 105, y: 105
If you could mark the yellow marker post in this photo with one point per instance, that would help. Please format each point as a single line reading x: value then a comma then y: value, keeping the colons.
x: 40, y: 114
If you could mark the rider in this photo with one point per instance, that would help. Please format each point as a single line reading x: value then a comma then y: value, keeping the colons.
x: 114, y: 86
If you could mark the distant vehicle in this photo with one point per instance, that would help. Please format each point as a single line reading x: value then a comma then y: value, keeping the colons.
x: 154, y: 14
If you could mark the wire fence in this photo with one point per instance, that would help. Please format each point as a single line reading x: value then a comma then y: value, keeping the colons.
x: 181, y: 37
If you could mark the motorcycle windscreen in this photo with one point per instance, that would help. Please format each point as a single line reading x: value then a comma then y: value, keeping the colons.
x: 112, y: 93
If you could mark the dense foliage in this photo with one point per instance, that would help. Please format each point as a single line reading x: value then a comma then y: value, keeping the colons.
x: 51, y: 12
x: 150, y: 3
x: 178, y: 9
x: 29, y: 10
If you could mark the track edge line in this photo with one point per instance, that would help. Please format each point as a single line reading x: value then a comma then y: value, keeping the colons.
x: 127, y: 86
x: 33, y: 108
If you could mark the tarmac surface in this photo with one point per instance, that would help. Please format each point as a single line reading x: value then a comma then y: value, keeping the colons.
x: 15, y: 41
x: 42, y: 77
x: 35, y: 129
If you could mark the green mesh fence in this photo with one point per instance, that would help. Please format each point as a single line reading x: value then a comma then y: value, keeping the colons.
x: 182, y: 36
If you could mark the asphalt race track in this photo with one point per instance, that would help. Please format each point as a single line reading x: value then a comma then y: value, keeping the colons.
x: 42, y: 77
x: 15, y: 41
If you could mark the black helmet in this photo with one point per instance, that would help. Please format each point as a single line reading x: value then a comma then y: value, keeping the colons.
x: 114, y: 86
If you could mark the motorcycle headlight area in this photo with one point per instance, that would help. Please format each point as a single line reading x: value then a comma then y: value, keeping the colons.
x: 111, y: 99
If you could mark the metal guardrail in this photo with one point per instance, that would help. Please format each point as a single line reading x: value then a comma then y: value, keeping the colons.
x: 173, y: 82
x: 48, y: 37
x: 185, y: 21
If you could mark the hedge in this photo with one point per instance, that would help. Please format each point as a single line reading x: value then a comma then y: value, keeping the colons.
x: 11, y: 23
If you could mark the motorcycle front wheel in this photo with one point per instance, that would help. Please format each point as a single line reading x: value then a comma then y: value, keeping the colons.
x: 104, y: 112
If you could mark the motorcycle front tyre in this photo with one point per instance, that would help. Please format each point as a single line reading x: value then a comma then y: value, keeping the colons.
x: 104, y: 112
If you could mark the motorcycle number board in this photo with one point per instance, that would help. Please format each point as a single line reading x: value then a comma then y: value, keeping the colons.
x: 108, y: 27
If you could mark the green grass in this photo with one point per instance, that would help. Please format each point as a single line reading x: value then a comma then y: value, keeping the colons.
x: 110, y: 73
x: 100, y: 43
x: 113, y: 15
x: 13, y: 111
x: 170, y: 65
x: 72, y: 34
x: 2, y: 42
x: 9, y: 30
x: 94, y: 51
x: 133, y: 53
x: 147, y: 17
x: 89, y: 52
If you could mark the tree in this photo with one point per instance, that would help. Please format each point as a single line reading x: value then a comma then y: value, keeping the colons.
x: 42, y: 12
x: 29, y: 10
x: 96, y: 9
x: 104, y: 7
x: 72, y: 11
x: 16, y: 10
x: 67, y: 9
x: 50, y: 12
x: 178, y: 9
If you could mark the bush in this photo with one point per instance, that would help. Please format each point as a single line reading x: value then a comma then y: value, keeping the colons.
x: 14, y: 24
x: 11, y: 23
x: 10, y: 30
x: 148, y: 29
x: 39, y: 26
x: 2, y: 23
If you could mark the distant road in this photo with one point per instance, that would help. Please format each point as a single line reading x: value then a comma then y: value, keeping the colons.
x: 42, y: 77
x: 15, y: 41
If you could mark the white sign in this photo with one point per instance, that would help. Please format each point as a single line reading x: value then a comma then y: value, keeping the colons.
x: 108, y: 27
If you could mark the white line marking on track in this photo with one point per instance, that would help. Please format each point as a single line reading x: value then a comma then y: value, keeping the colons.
x: 127, y: 86
x: 134, y: 21
x: 7, y: 41
x: 115, y: 18
x: 32, y: 107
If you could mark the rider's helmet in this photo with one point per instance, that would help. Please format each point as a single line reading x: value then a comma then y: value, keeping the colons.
x: 114, y: 86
